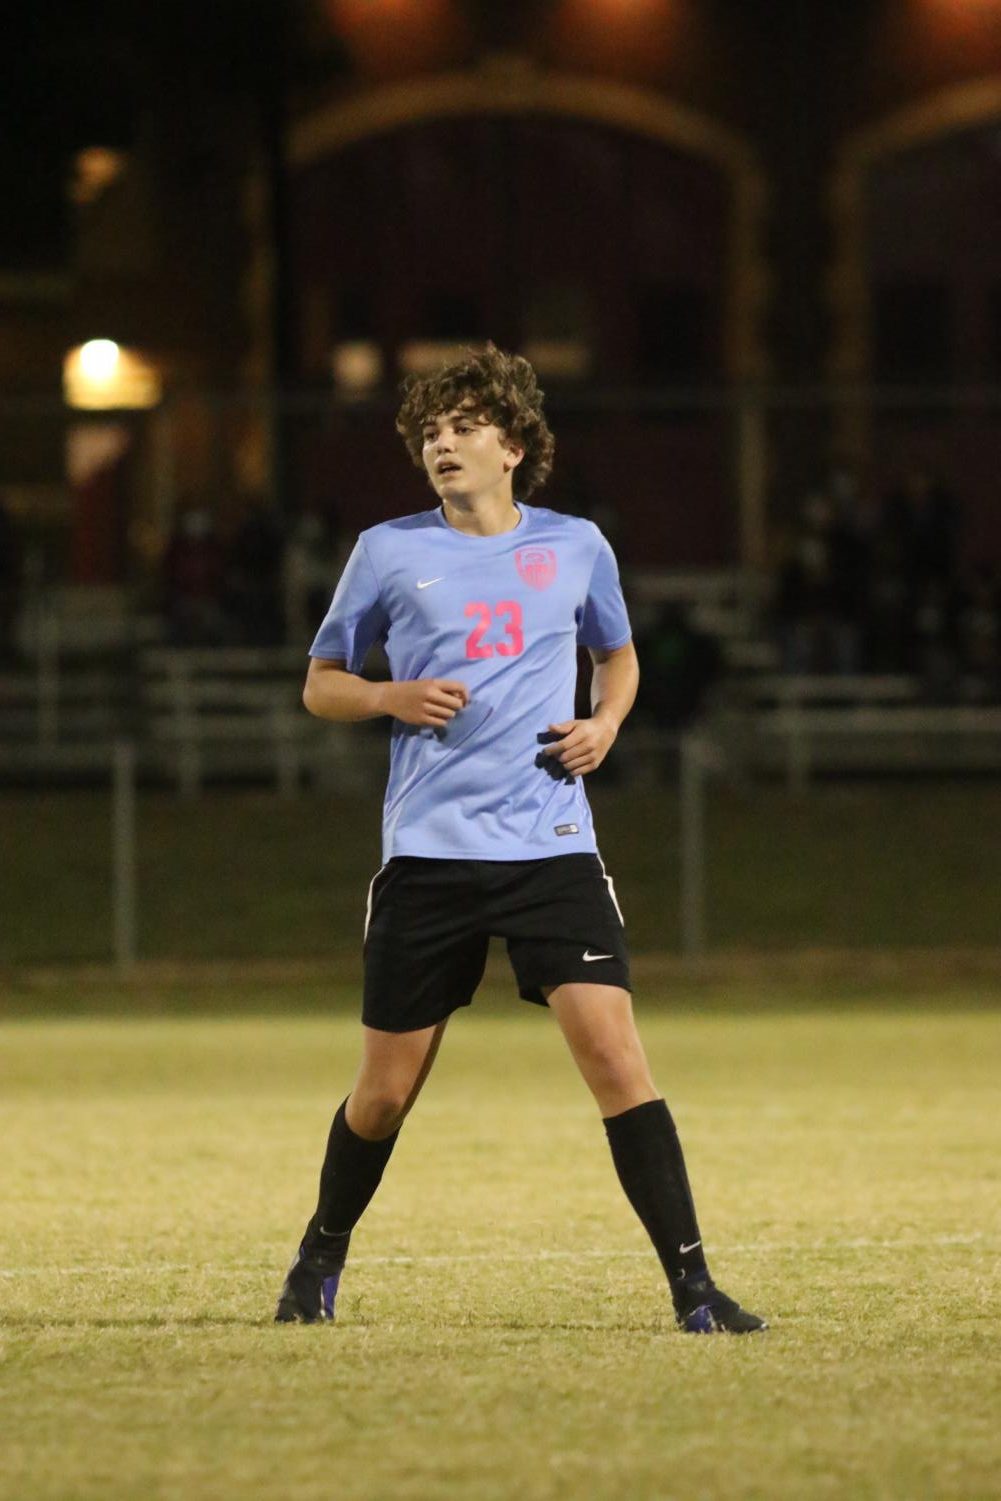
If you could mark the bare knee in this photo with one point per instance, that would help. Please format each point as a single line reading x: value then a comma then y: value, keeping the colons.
x: 391, y: 1075
x: 376, y: 1111
x: 616, y: 1072
x: 614, y: 1064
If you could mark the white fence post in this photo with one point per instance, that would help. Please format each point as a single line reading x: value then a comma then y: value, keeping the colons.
x: 123, y: 845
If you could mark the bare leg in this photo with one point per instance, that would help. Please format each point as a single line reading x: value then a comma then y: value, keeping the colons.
x: 598, y: 1024
x: 393, y: 1069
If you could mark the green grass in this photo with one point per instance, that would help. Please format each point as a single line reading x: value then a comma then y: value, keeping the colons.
x: 504, y: 1330
x: 242, y: 874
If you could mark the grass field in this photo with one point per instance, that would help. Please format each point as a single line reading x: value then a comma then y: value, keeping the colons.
x: 504, y: 1332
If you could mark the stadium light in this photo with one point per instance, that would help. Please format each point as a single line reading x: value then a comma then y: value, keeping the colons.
x: 357, y: 366
x: 100, y: 375
x: 99, y: 359
x: 95, y: 168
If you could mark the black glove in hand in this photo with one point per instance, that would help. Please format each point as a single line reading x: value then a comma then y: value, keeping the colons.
x: 550, y: 764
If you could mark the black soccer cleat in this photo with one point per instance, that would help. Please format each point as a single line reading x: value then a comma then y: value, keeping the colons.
x: 310, y: 1289
x: 706, y: 1310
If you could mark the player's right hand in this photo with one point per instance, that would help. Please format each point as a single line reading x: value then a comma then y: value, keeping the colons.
x: 429, y: 701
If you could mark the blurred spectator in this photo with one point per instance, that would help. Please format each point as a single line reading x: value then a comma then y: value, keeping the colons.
x: 253, y: 579
x: 193, y: 580
x: 848, y: 562
x: 793, y: 606
x: 913, y: 595
x: 888, y: 604
x: 934, y: 522
x: 885, y: 598
x: 10, y: 584
x: 936, y: 657
x: 678, y: 667
x: 979, y: 634
x: 308, y: 572
x: 821, y: 589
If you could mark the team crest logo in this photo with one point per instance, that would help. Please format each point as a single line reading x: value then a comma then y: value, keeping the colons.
x: 537, y: 566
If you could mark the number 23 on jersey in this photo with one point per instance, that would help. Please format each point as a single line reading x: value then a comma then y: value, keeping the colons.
x: 511, y: 642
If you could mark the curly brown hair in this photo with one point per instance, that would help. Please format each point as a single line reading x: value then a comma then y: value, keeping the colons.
x: 501, y: 387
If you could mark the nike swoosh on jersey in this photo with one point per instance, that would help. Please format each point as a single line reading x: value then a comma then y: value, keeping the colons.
x: 426, y: 583
x: 589, y: 957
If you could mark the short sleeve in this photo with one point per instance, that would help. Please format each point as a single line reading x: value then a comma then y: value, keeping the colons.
x: 356, y: 617
x: 604, y: 623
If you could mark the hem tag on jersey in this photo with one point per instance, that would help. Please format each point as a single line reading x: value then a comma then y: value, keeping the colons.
x: 566, y: 828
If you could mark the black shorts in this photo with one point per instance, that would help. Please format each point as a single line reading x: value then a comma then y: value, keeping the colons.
x: 429, y: 923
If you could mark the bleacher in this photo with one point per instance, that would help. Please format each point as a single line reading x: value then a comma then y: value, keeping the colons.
x: 223, y: 712
x: 797, y: 724
x: 90, y: 679
x: 804, y: 724
x: 72, y: 692
x: 195, y: 716
x: 725, y: 603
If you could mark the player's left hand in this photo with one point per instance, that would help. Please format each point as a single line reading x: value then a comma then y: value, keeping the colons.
x: 583, y: 745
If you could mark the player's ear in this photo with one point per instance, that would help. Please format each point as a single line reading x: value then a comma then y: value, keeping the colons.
x: 513, y: 454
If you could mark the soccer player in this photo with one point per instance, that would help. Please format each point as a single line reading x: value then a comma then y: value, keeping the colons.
x: 481, y: 603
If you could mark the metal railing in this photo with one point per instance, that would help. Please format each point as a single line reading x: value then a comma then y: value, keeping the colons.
x: 202, y: 715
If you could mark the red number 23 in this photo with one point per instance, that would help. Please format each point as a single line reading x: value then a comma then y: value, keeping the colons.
x: 476, y: 647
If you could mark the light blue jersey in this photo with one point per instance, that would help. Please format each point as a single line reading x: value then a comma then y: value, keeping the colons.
x: 504, y: 615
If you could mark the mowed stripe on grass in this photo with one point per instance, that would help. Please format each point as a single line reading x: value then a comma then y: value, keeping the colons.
x: 504, y: 1330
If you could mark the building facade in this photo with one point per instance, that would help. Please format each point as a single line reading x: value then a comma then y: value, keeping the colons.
x: 716, y: 228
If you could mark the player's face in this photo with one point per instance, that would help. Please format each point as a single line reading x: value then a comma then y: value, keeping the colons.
x: 466, y: 456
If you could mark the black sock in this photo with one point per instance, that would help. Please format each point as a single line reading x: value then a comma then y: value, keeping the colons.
x: 651, y: 1168
x: 352, y: 1171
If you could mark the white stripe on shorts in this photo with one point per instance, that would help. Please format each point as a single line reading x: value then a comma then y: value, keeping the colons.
x: 611, y: 889
x: 368, y: 901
